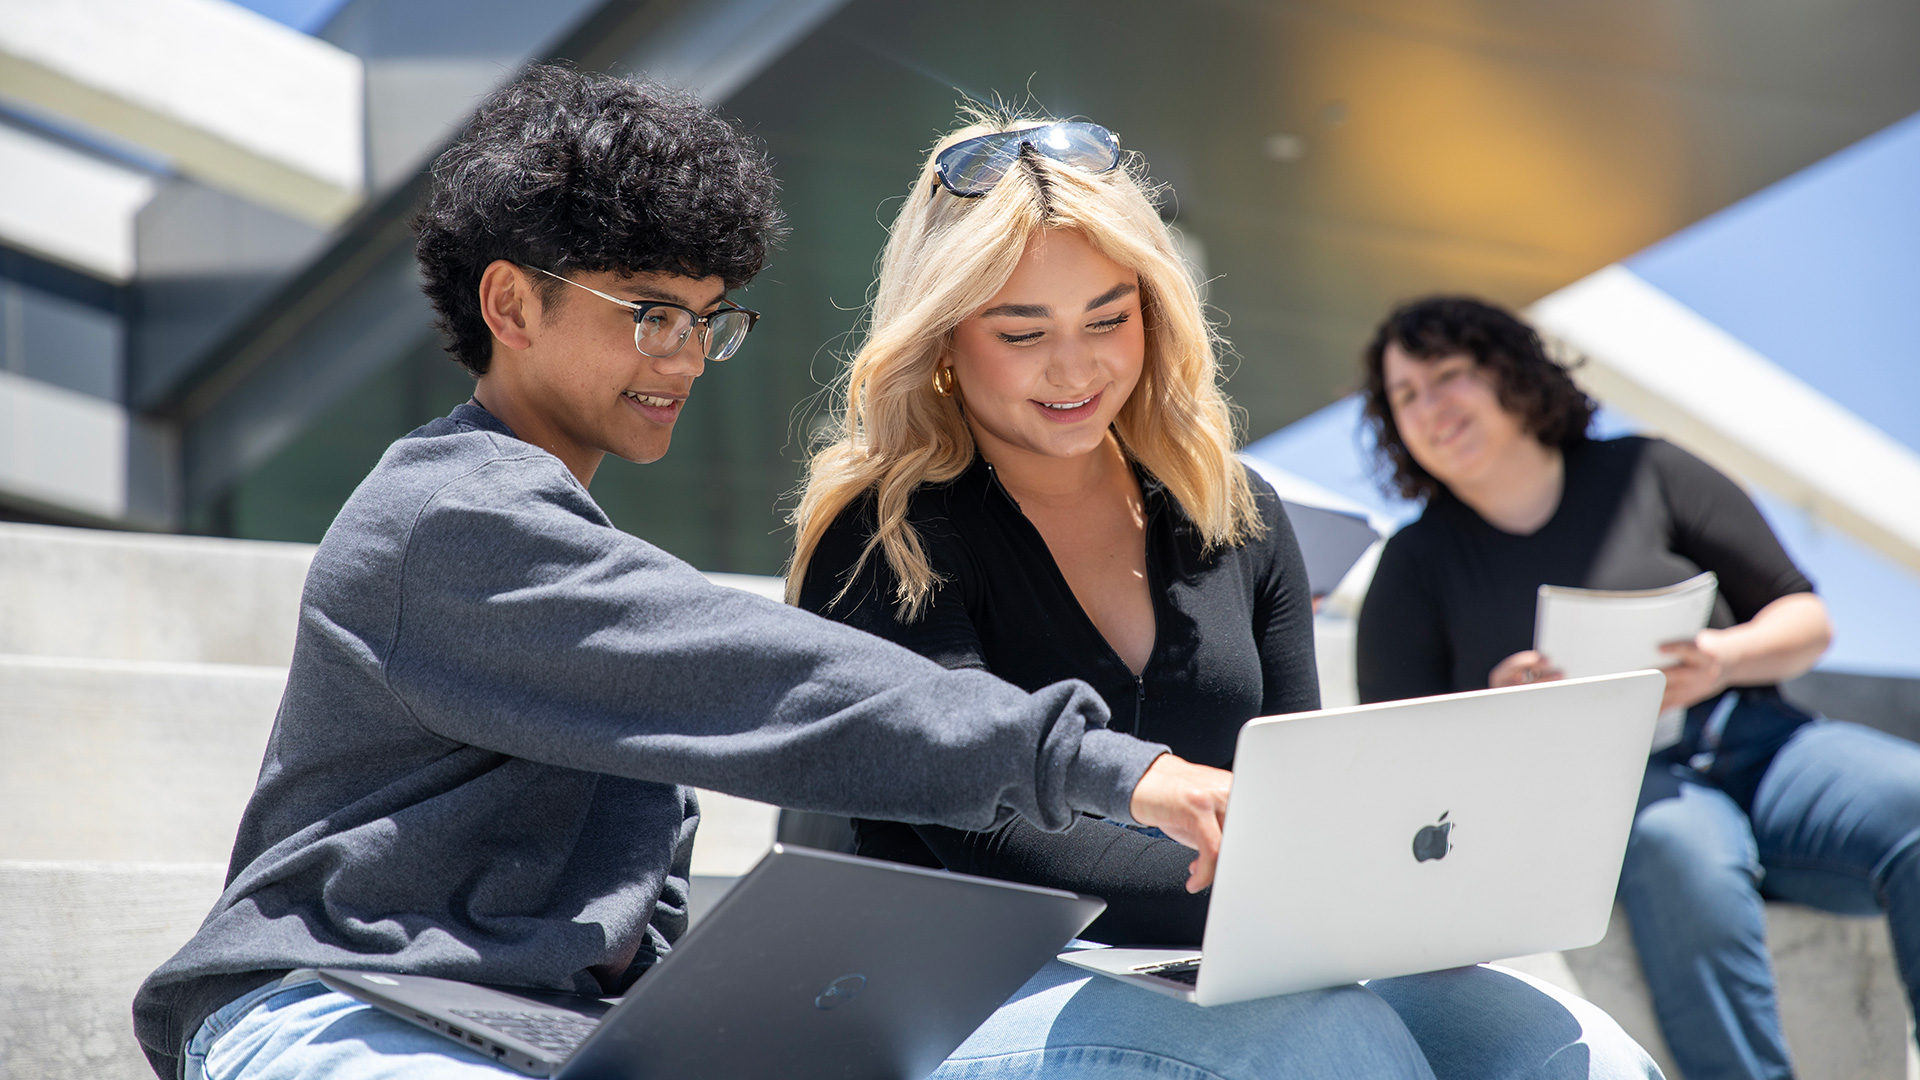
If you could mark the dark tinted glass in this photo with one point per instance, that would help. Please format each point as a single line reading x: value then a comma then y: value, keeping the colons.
x: 972, y: 167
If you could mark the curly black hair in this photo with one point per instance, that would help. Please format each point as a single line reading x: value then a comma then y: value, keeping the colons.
x: 573, y: 170
x: 1531, y: 384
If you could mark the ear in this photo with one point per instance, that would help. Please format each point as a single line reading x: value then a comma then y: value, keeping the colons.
x: 509, y: 304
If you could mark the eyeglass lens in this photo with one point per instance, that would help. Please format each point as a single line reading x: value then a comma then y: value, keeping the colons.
x: 660, y: 332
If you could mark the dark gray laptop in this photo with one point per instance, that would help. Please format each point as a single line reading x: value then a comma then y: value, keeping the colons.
x: 816, y: 964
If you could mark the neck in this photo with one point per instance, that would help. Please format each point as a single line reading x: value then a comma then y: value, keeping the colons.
x: 1055, y: 481
x: 1519, y: 491
x: 497, y: 394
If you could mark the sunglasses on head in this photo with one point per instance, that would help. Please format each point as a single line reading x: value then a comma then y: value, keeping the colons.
x: 971, y: 167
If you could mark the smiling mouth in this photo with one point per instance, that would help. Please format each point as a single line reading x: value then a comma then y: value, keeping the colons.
x: 1448, y: 433
x: 1064, y: 406
x: 650, y: 401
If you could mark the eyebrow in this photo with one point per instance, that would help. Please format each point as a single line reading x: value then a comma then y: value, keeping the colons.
x: 1041, y: 311
x: 641, y: 295
x: 1125, y: 288
x: 1018, y: 311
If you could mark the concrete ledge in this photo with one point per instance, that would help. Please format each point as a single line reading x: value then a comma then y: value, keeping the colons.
x: 115, y: 759
x: 734, y: 833
x: 76, y: 939
x: 1841, y: 1000
x: 129, y: 596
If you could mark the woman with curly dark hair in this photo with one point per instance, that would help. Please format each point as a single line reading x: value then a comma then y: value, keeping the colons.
x: 1745, y: 797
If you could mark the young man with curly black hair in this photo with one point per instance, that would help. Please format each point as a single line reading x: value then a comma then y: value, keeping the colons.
x: 495, y: 695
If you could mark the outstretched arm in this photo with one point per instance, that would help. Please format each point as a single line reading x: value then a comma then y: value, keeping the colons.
x: 605, y: 654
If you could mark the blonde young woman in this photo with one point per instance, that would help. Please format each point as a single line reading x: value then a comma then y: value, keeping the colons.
x: 1034, y: 475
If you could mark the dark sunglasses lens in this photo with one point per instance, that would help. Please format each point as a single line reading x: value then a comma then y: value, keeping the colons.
x: 1088, y: 147
x: 974, y: 166
x: 725, y: 333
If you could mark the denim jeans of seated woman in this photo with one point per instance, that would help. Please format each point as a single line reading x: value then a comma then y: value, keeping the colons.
x: 1834, y: 824
x: 1478, y: 1023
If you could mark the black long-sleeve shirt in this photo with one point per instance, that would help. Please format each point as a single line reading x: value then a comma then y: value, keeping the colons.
x: 1454, y: 596
x: 1233, y: 640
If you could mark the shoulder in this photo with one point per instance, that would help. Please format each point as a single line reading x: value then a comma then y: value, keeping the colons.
x: 471, y: 467
x: 1416, y: 553
x: 1677, y: 472
x: 1420, y: 538
x: 931, y: 510
x: 1635, y: 455
x: 461, y: 486
x: 1275, y: 532
x: 935, y: 512
x: 1670, y: 460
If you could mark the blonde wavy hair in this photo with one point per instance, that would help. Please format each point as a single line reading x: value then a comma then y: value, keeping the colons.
x: 945, y: 258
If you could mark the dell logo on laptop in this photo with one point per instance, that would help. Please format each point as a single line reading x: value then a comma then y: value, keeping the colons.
x: 840, y: 991
x: 1431, y: 842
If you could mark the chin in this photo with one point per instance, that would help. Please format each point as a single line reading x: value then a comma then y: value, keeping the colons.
x: 642, y: 455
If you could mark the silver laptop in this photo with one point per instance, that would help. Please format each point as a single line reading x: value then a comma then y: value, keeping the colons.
x: 1412, y: 836
x: 814, y: 965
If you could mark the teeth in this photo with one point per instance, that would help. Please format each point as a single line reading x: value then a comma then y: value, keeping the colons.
x: 646, y: 399
x: 1067, y: 404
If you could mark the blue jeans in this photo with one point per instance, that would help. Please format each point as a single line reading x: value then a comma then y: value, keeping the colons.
x: 1477, y: 1023
x: 1835, y: 825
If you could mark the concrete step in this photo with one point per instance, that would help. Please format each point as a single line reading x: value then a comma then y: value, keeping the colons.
x: 139, y: 596
x: 1841, y: 1000
x: 76, y: 939
x: 125, y: 759
x: 136, y: 596
x: 129, y: 759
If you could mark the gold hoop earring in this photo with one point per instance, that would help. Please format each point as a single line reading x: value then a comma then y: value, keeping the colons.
x: 943, y: 381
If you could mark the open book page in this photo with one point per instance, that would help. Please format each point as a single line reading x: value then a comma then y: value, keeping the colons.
x: 1599, y: 632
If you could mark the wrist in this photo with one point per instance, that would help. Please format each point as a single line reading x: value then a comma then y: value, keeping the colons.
x: 1726, y: 649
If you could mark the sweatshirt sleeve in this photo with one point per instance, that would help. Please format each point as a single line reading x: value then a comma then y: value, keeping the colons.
x: 599, y: 652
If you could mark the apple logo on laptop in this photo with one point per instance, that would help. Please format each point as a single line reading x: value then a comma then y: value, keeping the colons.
x: 1431, y: 842
x: 840, y: 991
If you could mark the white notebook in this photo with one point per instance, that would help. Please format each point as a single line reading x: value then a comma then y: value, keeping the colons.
x: 1599, y: 632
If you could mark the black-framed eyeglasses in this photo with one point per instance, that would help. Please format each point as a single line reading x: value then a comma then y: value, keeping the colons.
x: 970, y: 168
x: 660, y: 329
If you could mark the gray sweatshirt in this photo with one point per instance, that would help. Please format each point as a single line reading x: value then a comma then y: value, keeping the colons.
x: 494, y: 698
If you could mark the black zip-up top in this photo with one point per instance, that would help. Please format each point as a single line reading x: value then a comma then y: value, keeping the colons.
x: 1233, y: 640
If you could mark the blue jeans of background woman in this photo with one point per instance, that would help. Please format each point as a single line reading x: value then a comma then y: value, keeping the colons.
x: 1064, y: 1024
x: 1833, y: 823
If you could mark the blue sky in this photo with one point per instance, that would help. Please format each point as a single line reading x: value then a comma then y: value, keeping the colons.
x: 305, y: 16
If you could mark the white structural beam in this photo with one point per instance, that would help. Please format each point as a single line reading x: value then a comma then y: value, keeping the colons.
x: 63, y: 449
x: 1664, y: 364
x: 230, y: 97
x: 69, y: 206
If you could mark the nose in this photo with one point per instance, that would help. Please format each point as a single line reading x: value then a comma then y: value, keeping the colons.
x: 1071, y: 362
x: 688, y: 361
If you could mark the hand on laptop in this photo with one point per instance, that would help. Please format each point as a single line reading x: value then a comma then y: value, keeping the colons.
x: 1188, y: 802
